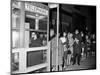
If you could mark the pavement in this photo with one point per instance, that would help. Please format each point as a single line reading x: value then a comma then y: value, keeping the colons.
x: 88, y: 63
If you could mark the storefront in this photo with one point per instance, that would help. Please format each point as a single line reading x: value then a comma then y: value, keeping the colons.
x: 30, y: 31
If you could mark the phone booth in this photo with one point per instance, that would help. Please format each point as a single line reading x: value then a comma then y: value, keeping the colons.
x: 30, y: 31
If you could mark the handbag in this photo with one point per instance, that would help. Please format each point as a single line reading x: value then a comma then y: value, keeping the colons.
x: 68, y: 52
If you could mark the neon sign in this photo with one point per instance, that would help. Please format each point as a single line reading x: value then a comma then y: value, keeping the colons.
x: 31, y: 8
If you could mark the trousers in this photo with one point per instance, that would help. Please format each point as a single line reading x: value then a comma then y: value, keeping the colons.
x: 76, y: 57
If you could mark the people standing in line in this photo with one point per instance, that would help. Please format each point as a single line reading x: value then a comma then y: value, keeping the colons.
x: 70, y: 49
x: 53, y: 49
x: 77, y: 48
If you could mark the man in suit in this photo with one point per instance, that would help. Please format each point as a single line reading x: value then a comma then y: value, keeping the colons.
x: 77, y: 48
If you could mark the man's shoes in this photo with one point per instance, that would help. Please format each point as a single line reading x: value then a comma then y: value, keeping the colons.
x: 73, y: 64
x: 78, y: 64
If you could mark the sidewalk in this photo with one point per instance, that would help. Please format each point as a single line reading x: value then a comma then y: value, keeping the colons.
x: 89, y: 63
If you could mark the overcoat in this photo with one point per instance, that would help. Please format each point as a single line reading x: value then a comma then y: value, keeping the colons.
x: 53, y: 49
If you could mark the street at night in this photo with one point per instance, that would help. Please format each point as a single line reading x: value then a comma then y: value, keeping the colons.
x: 88, y: 63
x: 52, y: 37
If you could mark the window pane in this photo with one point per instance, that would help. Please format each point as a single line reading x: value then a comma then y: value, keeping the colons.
x: 15, y: 61
x: 35, y: 58
x: 43, y: 24
x: 15, y: 39
x: 37, y: 39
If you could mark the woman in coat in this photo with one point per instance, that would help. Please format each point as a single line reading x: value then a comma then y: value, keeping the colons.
x: 53, y: 49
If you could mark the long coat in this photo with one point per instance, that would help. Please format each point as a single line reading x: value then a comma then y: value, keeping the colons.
x: 53, y: 48
x: 77, y: 48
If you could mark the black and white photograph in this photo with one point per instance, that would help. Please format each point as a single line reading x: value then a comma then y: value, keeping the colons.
x: 52, y: 37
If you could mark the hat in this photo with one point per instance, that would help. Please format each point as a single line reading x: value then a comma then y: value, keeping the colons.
x: 33, y: 33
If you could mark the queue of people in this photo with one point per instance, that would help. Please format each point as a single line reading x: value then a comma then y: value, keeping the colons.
x: 72, y: 48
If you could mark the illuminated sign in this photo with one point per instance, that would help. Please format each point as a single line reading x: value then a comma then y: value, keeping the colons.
x: 31, y: 8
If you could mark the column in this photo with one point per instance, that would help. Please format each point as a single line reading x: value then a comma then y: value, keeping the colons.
x: 57, y: 37
x: 36, y: 23
x: 22, y: 53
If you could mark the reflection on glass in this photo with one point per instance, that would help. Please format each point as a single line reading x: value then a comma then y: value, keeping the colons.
x: 37, y: 29
x: 43, y: 24
x: 15, y: 18
x: 15, y: 39
x: 15, y: 61
x: 15, y: 26
x: 35, y: 58
x: 38, y: 39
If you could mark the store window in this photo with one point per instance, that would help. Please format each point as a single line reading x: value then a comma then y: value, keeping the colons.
x: 15, y: 27
x: 29, y: 35
x: 36, y: 29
